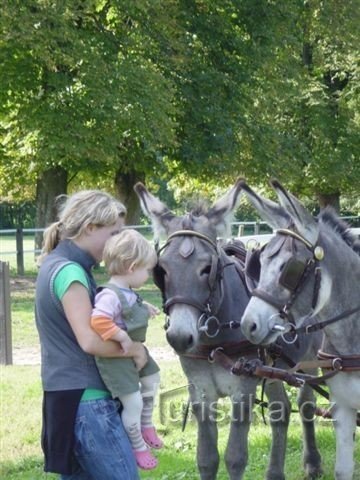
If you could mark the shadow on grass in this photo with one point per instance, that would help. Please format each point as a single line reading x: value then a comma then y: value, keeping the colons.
x: 172, y: 466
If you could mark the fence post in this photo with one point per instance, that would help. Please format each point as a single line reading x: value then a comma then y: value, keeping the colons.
x: 5, y: 315
x: 241, y: 230
x: 20, y: 251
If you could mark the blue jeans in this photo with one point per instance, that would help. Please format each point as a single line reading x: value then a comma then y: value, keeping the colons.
x: 102, y: 448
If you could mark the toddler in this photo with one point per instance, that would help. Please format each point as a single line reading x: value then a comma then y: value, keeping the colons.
x: 121, y: 315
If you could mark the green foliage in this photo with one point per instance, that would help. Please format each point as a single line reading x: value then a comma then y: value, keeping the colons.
x: 171, y: 90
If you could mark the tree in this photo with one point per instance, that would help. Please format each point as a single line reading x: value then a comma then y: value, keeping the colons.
x: 88, y: 98
x: 111, y: 92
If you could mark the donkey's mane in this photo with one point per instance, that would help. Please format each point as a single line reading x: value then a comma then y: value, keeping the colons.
x: 342, y: 228
x: 199, y: 208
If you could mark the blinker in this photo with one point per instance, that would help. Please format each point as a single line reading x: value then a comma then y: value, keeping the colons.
x: 291, y: 274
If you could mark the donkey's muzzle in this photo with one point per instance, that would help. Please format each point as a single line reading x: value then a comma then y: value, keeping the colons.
x: 180, y: 343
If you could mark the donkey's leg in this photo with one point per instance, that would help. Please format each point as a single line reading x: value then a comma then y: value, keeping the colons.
x: 307, y: 406
x: 345, y: 425
x: 236, y: 455
x: 207, y: 451
x: 279, y: 415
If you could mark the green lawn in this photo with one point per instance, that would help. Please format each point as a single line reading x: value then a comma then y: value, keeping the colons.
x: 20, y: 410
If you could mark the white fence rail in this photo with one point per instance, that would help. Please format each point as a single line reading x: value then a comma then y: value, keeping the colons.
x: 250, y: 232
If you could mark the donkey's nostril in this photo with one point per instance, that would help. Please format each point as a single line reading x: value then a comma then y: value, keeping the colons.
x: 253, y: 327
x: 180, y: 343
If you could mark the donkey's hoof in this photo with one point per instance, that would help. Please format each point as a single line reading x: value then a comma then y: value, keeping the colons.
x: 313, y: 471
x: 271, y: 475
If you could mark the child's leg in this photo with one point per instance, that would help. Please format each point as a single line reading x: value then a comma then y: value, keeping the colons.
x: 132, y: 406
x: 149, y: 387
x: 131, y: 415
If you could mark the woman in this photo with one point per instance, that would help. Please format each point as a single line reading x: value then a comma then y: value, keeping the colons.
x: 83, y: 437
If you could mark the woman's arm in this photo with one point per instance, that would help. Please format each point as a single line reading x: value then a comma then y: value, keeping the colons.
x: 78, y: 311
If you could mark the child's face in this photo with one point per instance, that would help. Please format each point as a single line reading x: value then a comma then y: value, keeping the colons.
x: 139, y: 276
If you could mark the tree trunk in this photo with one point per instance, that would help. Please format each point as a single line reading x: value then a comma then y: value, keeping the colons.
x: 50, y: 184
x: 329, y: 199
x: 124, y: 184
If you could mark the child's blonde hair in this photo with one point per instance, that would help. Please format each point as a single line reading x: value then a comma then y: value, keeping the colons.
x: 128, y: 248
x: 79, y: 211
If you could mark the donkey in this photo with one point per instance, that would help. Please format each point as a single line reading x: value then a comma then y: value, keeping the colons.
x: 310, y: 271
x: 203, y: 292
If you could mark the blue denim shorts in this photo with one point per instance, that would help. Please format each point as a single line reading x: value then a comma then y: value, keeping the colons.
x: 102, y: 448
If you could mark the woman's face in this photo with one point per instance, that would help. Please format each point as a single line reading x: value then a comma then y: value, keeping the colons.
x: 97, y: 237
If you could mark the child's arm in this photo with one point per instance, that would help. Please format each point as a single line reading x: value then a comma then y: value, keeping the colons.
x: 153, y: 310
x: 77, y: 309
x: 108, y: 330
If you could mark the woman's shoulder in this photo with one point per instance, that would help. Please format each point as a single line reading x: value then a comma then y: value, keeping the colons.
x: 66, y: 274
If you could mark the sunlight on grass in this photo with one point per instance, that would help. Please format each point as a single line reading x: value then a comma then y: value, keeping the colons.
x: 20, y: 410
x: 21, y: 457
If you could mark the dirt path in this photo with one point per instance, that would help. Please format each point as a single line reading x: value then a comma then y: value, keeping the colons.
x: 31, y: 355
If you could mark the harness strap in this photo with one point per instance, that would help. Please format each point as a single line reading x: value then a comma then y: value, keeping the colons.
x: 317, y: 286
x: 187, y: 301
x: 254, y: 367
x: 203, y: 352
x: 258, y: 292
x: 313, y: 327
x: 344, y: 363
x: 291, y: 233
x: 187, y: 233
x: 276, y: 351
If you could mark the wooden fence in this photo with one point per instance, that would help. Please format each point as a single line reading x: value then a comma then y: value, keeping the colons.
x: 5, y: 315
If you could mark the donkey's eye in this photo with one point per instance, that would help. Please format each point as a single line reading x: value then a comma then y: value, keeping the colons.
x: 206, y: 270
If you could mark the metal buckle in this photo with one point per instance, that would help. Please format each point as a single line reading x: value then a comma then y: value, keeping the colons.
x: 212, y: 353
x: 337, y: 364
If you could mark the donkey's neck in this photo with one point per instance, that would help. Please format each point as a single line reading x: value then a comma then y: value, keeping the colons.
x: 341, y: 273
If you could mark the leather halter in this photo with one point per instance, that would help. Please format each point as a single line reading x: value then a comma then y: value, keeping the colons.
x: 310, y: 265
x: 204, y: 308
x: 188, y: 233
x: 326, y: 361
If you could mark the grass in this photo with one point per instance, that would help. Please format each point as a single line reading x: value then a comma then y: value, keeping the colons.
x: 20, y: 413
x: 8, y: 245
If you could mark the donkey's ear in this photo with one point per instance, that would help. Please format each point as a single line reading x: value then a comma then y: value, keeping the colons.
x: 220, y: 213
x: 304, y: 222
x: 154, y: 209
x: 272, y: 213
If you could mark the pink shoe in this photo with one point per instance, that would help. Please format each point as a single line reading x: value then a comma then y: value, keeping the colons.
x: 151, y: 437
x: 145, y: 460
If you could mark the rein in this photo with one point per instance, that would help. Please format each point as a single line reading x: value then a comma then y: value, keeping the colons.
x: 314, y: 327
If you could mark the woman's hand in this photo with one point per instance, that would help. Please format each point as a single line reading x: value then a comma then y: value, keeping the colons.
x: 139, y: 355
x: 125, y: 341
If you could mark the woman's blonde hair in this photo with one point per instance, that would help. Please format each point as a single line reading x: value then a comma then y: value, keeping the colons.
x: 77, y: 212
x: 128, y: 248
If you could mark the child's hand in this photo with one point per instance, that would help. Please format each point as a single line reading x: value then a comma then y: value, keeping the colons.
x: 153, y: 310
